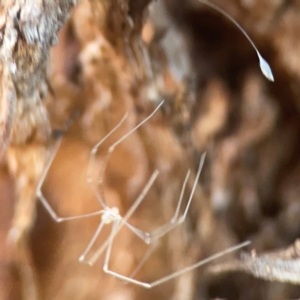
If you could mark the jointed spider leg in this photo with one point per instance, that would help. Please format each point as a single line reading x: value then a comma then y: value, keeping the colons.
x: 175, y: 221
x: 148, y: 253
x: 99, y: 194
x: 43, y: 200
x: 110, y: 239
x: 100, y: 198
x: 165, y: 278
x: 144, y: 235
x: 125, y: 218
x: 198, y: 264
x: 202, y: 159
x: 164, y: 229
x: 151, y: 238
x: 110, y: 242
x: 92, y: 161
x: 92, y: 241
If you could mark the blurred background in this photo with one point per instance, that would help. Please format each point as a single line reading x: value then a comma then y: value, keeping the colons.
x: 126, y: 56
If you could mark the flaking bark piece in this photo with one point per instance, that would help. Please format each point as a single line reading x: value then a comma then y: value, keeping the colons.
x: 27, y: 31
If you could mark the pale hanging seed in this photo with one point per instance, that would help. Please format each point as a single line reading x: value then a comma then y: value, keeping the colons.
x: 264, y: 66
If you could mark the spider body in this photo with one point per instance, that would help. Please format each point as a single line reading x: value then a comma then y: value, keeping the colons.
x: 110, y: 215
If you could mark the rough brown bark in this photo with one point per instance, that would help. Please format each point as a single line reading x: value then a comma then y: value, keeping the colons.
x: 118, y: 56
x: 28, y: 30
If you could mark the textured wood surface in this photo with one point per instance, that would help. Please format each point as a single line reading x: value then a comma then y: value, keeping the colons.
x: 124, y: 56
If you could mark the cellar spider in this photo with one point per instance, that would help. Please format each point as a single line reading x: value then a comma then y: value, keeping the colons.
x: 111, y: 214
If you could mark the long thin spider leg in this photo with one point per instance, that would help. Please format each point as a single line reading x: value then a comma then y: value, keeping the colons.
x: 144, y: 235
x: 39, y: 193
x: 92, y: 160
x: 43, y: 200
x: 198, y: 264
x: 175, y: 221
x: 202, y: 159
x: 126, y: 217
x: 159, y: 232
x: 100, y: 195
x: 137, y: 126
x: 175, y: 217
x: 264, y: 66
x: 149, y: 238
x: 92, y: 241
x: 110, y: 242
x: 116, y: 227
x: 113, y: 146
x: 171, y: 276
x: 149, y: 251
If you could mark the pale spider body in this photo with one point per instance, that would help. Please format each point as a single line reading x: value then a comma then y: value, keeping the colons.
x: 110, y: 215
